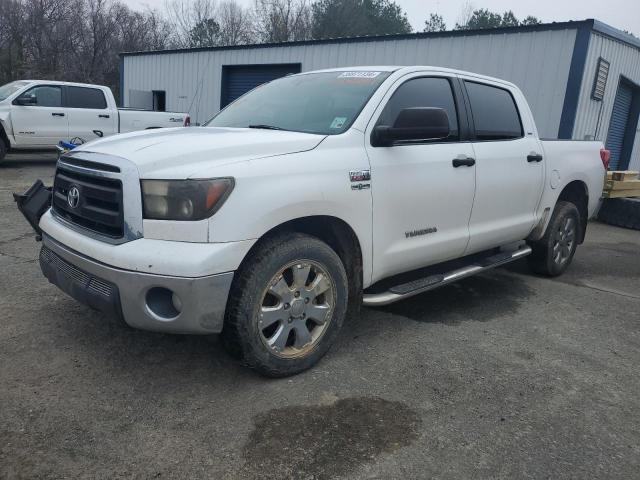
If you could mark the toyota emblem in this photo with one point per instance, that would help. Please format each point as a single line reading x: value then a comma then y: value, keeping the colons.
x: 73, y: 197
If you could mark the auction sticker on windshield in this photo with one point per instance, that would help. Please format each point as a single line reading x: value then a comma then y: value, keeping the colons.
x: 338, y: 122
x: 358, y: 74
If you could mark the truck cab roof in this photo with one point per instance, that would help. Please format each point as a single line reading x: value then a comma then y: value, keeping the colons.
x: 401, y: 70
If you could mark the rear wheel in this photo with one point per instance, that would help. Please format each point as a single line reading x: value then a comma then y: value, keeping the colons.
x: 287, y: 305
x: 553, y: 253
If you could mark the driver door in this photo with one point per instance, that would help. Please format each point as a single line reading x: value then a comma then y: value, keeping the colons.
x: 44, y: 122
x: 422, y: 199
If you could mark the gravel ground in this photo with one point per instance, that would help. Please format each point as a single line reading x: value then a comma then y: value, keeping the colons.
x: 505, y: 375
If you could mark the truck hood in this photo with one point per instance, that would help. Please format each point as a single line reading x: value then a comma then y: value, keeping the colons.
x: 184, y: 152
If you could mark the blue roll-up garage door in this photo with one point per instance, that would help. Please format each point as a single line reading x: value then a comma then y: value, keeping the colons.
x: 239, y: 79
x: 618, y: 125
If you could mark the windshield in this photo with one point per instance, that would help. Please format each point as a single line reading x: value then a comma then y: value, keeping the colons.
x: 10, y: 88
x: 322, y: 103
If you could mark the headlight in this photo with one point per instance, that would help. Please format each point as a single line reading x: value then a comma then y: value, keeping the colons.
x: 186, y: 200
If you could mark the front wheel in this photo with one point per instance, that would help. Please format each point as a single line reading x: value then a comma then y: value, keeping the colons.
x: 553, y: 253
x: 3, y: 149
x: 287, y: 305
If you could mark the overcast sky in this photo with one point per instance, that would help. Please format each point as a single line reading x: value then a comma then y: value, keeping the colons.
x: 622, y: 14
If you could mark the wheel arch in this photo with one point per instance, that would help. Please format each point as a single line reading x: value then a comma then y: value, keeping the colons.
x: 577, y: 192
x: 336, y: 233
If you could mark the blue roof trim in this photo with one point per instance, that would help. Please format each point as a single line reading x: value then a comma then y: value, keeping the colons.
x: 543, y: 27
x: 616, y: 34
x: 574, y: 82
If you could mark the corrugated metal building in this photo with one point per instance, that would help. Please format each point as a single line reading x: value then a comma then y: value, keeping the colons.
x: 582, y: 79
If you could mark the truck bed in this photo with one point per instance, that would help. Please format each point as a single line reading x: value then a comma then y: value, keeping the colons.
x: 579, y: 159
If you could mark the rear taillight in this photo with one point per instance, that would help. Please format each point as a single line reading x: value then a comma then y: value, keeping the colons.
x: 187, y: 121
x: 605, y: 156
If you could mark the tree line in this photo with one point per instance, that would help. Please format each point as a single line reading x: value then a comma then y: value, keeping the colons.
x: 80, y: 40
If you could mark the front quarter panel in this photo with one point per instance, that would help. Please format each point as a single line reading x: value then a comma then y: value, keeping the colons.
x: 271, y: 191
x: 5, y: 121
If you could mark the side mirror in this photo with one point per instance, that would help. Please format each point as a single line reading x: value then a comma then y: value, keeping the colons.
x: 26, y: 100
x: 413, y: 124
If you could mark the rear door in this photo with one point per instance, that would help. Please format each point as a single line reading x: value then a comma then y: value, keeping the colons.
x: 42, y: 124
x: 88, y: 113
x: 509, y: 166
x: 422, y: 199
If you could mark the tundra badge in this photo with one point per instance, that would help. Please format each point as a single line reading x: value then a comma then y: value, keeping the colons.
x: 357, y: 177
x: 422, y: 231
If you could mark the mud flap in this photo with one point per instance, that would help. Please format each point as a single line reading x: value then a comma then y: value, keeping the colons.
x: 34, y: 203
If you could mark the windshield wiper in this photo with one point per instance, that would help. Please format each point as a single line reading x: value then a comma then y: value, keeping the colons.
x: 266, y: 127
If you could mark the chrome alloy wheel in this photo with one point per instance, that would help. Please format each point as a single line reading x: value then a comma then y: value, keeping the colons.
x: 296, y: 309
x: 564, y: 241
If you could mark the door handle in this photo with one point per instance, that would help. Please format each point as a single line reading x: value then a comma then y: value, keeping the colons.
x: 58, y: 114
x: 467, y: 162
x: 534, y: 157
x: 103, y: 116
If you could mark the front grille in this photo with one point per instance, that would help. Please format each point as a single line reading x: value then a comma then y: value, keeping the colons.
x: 80, y: 277
x: 92, y: 165
x: 65, y: 267
x: 100, y: 286
x: 99, y: 203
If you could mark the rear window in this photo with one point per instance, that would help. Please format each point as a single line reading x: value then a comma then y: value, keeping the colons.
x: 494, y: 111
x: 81, y: 97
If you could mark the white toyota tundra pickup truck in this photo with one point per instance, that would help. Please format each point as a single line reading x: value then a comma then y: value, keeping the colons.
x: 308, y: 197
x: 37, y: 114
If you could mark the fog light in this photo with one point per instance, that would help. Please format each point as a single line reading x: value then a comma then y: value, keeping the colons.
x: 177, y: 303
x: 163, y: 303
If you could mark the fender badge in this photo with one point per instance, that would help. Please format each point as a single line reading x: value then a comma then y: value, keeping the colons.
x: 417, y: 233
x: 360, y: 175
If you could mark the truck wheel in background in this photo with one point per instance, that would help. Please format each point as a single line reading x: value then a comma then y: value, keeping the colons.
x: 3, y: 149
x: 552, y: 254
x: 622, y: 212
x: 287, y: 305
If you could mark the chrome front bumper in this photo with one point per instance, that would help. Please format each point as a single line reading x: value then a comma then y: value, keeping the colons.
x: 145, y: 301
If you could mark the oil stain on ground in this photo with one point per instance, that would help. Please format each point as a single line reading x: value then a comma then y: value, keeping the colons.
x: 326, y: 441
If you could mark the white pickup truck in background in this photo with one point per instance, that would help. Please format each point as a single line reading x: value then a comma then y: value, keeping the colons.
x: 309, y: 196
x: 37, y: 114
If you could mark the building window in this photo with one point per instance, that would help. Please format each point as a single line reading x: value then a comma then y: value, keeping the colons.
x: 600, y: 82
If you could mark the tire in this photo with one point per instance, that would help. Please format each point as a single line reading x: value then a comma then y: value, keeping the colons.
x: 282, y: 290
x: 622, y: 212
x: 553, y: 253
x: 3, y: 150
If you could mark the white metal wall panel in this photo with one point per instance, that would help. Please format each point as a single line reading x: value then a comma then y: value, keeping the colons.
x: 593, y: 117
x: 538, y: 62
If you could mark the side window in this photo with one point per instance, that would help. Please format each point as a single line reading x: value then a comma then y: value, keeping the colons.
x: 423, y: 92
x: 494, y: 111
x: 45, y: 96
x: 81, y: 97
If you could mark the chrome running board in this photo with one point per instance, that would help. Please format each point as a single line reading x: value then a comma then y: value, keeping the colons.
x: 415, y: 287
